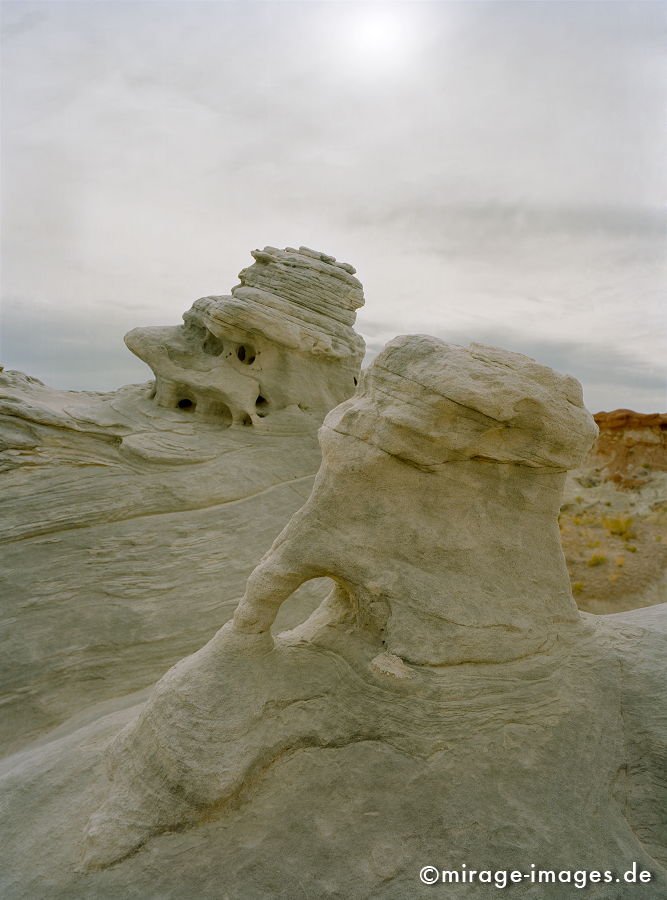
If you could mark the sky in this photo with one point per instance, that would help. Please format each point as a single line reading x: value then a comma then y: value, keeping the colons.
x: 494, y: 171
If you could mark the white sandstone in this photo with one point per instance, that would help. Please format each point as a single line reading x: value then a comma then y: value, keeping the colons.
x: 445, y: 705
x: 131, y: 520
x: 283, y: 337
x: 398, y: 726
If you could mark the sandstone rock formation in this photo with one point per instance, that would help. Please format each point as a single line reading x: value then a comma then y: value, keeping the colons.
x: 446, y: 704
x: 283, y: 338
x: 132, y: 519
x: 614, y: 517
x: 487, y: 436
x: 630, y: 444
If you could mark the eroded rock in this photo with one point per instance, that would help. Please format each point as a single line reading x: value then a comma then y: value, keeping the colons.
x: 614, y: 518
x: 130, y: 520
x: 471, y: 445
x: 283, y: 337
x: 450, y: 636
x: 446, y: 705
x: 630, y: 446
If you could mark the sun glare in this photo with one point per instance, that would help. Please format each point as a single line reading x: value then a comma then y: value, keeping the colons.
x: 380, y: 37
x: 377, y: 32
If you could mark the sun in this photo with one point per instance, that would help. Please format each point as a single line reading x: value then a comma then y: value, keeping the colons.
x: 380, y: 37
x: 379, y: 32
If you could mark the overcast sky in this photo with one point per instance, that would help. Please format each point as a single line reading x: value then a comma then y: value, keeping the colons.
x: 494, y: 170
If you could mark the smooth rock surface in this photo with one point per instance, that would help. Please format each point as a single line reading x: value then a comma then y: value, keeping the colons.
x: 446, y: 705
x: 388, y: 731
x: 535, y: 763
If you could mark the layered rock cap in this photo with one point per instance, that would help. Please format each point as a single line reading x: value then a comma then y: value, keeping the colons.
x: 282, y: 338
x: 301, y: 299
x: 429, y: 402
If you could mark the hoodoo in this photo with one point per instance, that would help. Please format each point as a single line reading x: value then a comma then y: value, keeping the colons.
x: 283, y: 337
x: 447, y: 702
x: 132, y: 519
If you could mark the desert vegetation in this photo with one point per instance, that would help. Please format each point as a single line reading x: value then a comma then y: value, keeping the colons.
x: 615, y: 541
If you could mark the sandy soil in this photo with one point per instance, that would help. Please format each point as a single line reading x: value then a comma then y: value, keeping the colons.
x: 614, y: 536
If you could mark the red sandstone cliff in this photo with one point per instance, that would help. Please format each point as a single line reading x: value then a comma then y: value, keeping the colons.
x: 630, y: 443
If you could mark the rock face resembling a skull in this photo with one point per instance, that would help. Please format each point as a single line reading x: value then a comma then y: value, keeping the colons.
x: 282, y: 338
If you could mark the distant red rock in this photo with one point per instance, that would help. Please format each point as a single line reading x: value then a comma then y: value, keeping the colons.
x: 627, y: 418
x: 628, y: 442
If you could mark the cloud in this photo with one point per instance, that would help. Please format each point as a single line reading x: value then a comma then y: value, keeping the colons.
x: 501, y: 167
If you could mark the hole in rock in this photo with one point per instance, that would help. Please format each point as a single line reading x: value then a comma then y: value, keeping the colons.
x: 218, y: 412
x: 261, y: 404
x: 246, y: 420
x: 193, y: 331
x: 212, y: 345
x: 186, y: 403
x: 304, y: 601
x: 355, y: 382
x: 246, y: 355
